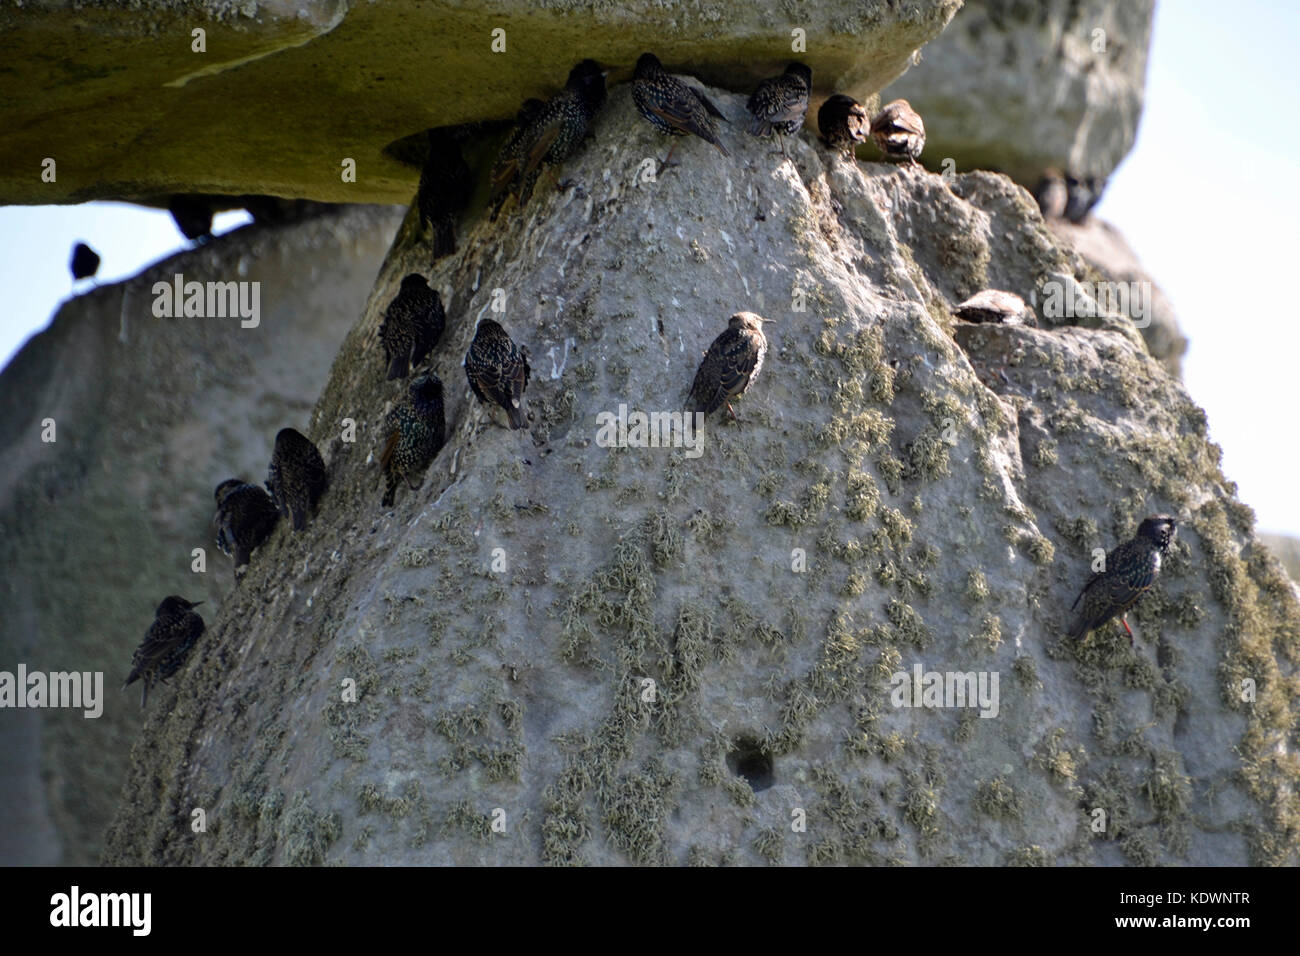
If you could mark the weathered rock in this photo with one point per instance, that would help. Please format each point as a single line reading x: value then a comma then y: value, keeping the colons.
x: 1287, y: 549
x: 98, y: 527
x: 285, y: 92
x: 628, y: 654
x: 1020, y: 87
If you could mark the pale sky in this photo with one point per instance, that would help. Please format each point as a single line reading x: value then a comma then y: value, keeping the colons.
x: 1208, y: 200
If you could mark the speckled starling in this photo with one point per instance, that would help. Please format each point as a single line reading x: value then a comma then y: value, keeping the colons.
x: 167, y: 643
x: 296, y: 477
x: 560, y: 126
x: 1051, y: 194
x: 993, y: 306
x: 779, y: 103
x: 505, y: 169
x: 445, y: 186
x: 1130, y: 570
x: 245, y: 518
x: 1082, y: 193
x: 843, y: 123
x: 84, y: 263
x: 498, y: 370
x: 413, y: 323
x: 673, y: 107
x: 414, y: 430
x: 730, y: 365
x: 899, y: 132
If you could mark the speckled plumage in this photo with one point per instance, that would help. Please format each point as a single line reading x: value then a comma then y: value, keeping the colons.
x: 730, y: 365
x: 84, y: 262
x: 415, y: 430
x: 672, y: 106
x: 498, y: 370
x: 843, y: 123
x: 505, y: 168
x: 445, y: 186
x: 167, y: 643
x: 560, y: 126
x: 413, y: 323
x: 899, y: 131
x: 296, y: 477
x: 1130, y: 571
x: 245, y: 518
x: 779, y: 103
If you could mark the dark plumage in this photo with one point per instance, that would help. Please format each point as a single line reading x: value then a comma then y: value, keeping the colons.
x: 445, y: 186
x: 671, y: 106
x: 84, y: 263
x: 167, y: 643
x: 413, y: 323
x: 559, y: 127
x: 730, y: 365
x: 843, y: 123
x: 1131, y: 569
x: 1051, y: 194
x: 1082, y: 193
x: 993, y: 306
x: 899, y: 132
x: 498, y: 370
x: 245, y: 518
x: 505, y: 168
x: 414, y: 430
x: 192, y: 215
x: 296, y: 478
x: 779, y: 103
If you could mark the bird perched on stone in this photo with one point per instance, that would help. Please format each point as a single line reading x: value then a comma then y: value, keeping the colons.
x: 672, y: 106
x: 445, y: 186
x: 296, y: 477
x: 245, y: 518
x: 843, y: 123
x: 413, y: 323
x: 1051, y: 194
x: 498, y: 370
x: 84, y: 262
x: 167, y: 643
x: 1130, y: 571
x: 898, y: 131
x: 414, y: 430
x: 993, y: 306
x: 505, y: 168
x: 1082, y: 193
x: 730, y: 365
x: 192, y: 215
x: 560, y: 126
x: 779, y: 103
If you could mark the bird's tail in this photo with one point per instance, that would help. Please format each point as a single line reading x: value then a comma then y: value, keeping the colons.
x: 759, y: 126
x: 399, y: 366
x: 390, y: 493
x: 299, y: 519
x: 444, y: 237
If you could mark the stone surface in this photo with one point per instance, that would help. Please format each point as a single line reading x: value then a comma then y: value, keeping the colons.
x: 614, y: 653
x: 96, y: 528
x: 1017, y: 86
x: 286, y: 91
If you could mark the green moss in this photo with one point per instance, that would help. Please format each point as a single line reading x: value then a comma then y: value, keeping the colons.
x: 768, y: 845
x: 306, y: 833
x: 977, y: 587
x: 998, y: 799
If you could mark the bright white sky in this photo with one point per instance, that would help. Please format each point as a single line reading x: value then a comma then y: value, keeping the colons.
x: 1208, y: 199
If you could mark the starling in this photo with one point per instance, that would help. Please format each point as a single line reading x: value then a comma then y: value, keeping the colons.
x: 415, y: 430
x: 413, y: 323
x: 993, y: 306
x: 779, y: 103
x: 1082, y: 193
x: 671, y: 106
x: 505, y: 169
x: 1051, y: 194
x: 245, y: 518
x: 560, y: 126
x: 730, y: 365
x: 296, y: 478
x: 498, y: 370
x: 85, y: 262
x: 166, y: 644
x: 192, y: 215
x: 445, y: 187
x: 1130, y: 570
x: 843, y: 123
x: 899, y: 132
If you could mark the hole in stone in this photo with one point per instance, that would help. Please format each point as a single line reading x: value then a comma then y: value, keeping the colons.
x: 748, y: 759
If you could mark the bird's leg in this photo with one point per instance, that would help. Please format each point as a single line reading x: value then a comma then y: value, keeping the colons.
x: 664, y: 164
x: 1124, y: 620
x: 780, y: 140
